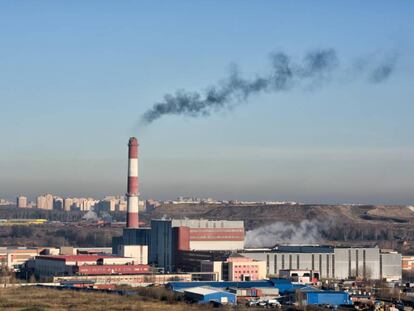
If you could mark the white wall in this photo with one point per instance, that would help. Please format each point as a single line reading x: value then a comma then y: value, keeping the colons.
x: 138, y: 252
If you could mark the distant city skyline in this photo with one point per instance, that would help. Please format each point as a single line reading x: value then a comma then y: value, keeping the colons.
x: 75, y: 79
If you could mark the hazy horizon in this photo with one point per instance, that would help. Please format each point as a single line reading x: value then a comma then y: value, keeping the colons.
x: 76, y: 78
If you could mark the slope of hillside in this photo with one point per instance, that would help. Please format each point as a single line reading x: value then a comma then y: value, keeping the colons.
x: 327, y: 223
x: 257, y: 215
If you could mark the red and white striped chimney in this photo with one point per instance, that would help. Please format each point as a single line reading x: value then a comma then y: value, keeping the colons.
x: 132, y: 193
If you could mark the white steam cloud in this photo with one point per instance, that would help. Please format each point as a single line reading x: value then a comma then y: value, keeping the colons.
x: 306, y: 232
x: 90, y: 216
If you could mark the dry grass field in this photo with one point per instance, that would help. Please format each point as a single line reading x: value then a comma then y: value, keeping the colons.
x: 39, y: 299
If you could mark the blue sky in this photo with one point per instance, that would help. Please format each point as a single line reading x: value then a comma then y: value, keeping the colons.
x: 76, y: 76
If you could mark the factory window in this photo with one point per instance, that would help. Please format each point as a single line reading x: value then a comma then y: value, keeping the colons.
x: 333, y: 265
x: 380, y: 266
x: 327, y: 265
x: 297, y: 261
x: 275, y: 265
x: 363, y: 263
x: 267, y: 264
x: 356, y: 263
x: 313, y: 261
x: 283, y: 262
x: 349, y: 263
x: 290, y: 261
x: 320, y: 264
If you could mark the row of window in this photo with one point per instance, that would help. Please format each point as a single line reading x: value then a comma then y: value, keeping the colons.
x: 245, y: 271
x: 329, y: 259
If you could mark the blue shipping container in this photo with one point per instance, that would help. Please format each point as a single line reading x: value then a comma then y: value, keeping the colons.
x: 327, y: 298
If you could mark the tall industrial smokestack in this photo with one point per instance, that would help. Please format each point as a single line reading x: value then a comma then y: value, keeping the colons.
x: 132, y: 193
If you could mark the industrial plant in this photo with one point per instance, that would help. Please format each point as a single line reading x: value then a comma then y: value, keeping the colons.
x: 206, y: 261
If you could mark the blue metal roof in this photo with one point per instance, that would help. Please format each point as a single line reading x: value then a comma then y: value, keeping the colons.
x: 203, y: 290
x: 309, y: 288
x: 284, y: 285
x: 205, y: 295
x: 179, y: 286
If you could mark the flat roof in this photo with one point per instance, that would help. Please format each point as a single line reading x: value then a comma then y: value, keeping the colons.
x: 310, y: 288
x: 292, y: 249
x: 21, y: 248
x: 202, y: 290
x: 75, y: 257
x: 195, y: 223
x: 80, y: 281
x: 182, y: 286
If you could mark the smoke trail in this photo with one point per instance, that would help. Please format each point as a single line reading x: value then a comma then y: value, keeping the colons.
x: 306, y: 232
x: 284, y: 74
x: 384, y: 70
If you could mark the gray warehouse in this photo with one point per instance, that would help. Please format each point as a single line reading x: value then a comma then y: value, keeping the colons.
x: 331, y: 262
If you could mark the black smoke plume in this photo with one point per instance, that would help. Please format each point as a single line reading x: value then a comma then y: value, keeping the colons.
x: 383, y: 70
x: 284, y: 74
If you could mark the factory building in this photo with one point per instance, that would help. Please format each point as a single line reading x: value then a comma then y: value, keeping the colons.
x: 14, y: 257
x: 161, y: 249
x: 139, y: 252
x: 110, y: 269
x: 191, y: 260
x: 236, y: 268
x: 126, y: 279
x: 169, y: 239
x: 131, y: 237
x: 202, y: 234
x: 331, y: 262
x: 54, y: 265
x: 209, y: 295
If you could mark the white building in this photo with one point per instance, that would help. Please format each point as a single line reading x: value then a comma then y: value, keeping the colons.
x: 84, y: 204
x: 21, y: 201
x: 45, y: 201
x: 5, y: 202
x: 67, y: 204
